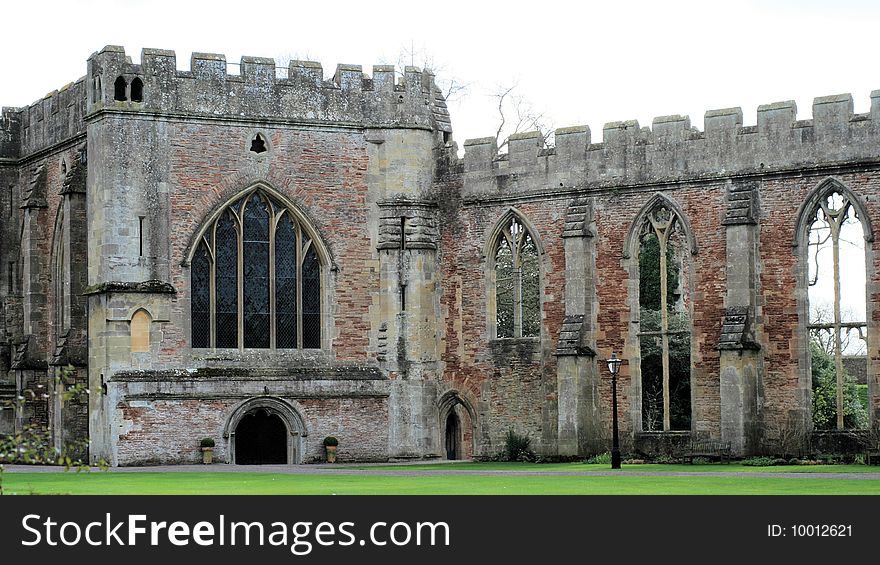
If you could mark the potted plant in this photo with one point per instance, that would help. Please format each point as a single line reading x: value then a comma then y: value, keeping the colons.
x: 330, y: 444
x: 207, y: 450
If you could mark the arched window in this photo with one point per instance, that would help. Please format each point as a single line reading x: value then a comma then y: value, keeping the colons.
x: 137, y: 90
x: 837, y: 311
x: 664, y: 322
x: 517, y: 281
x: 256, y: 279
x: 119, y: 88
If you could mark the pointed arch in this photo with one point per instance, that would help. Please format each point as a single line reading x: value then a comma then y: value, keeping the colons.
x: 835, y: 306
x: 120, y: 89
x: 321, y: 248
x: 511, y: 213
x: 453, y: 402
x: 631, y: 242
x: 137, y: 90
x: 514, y: 278
x: 811, y: 203
x: 258, y: 276
x: 658, y: 254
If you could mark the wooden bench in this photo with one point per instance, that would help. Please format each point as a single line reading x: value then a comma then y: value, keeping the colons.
x: 708, y: 449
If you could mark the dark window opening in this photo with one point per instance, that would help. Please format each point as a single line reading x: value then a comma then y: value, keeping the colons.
x: 137, y: 90
x: 447, y: 137
x: 403, y: 232
x: 258, y: 144
x: 403, y: 298
x: 140, y: 236
x: 261, y: 439
x: 119, y: 88
x: 63, y: 167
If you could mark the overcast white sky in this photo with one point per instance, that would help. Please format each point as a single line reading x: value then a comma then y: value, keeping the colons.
x: 582, y: 64
x: 586, y: 63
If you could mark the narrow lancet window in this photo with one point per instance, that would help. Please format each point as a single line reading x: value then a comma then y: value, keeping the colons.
x: 137, y: 90
x: 664, y: 323
x: 517, y: 283
x: 119, y: 88
x: 837, y: 314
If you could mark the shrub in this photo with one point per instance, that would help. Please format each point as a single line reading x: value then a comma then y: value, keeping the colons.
x: 759, y: 461
x: 517, y: 447
x: 599, y: 459
x: 207, y: 442
x: 330, y: 441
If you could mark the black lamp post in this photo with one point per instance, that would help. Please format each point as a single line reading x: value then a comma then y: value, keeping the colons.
x: 614, y: 368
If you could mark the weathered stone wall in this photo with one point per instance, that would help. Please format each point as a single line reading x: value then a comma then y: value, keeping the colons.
x: 732, y: 185
x: 153, y: 153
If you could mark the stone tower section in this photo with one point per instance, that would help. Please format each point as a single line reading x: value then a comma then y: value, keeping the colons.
x: 353, y: 156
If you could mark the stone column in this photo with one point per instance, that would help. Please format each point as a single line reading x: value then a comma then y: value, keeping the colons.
x: 577, y: 383
x: 740, y: 353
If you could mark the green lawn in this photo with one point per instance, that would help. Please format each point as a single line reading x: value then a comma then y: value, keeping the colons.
x: 653, y: 468
x: 98, y: 482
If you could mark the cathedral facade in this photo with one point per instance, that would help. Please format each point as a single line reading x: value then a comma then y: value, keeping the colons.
x: 269, y: 258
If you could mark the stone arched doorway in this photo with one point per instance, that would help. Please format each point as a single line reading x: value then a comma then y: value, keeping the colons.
x: 457, y: 428
x: 261, y: 439
x: 265, y: 431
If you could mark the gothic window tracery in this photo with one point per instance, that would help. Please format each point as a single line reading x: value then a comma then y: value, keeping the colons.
x: 664, y: 322
x: 837, y: 322
x: 256, y: 279
x: 517, y: 282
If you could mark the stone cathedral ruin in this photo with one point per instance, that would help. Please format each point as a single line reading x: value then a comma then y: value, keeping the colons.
x: 270, y: 258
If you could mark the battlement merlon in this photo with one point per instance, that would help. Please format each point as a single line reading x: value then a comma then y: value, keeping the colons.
x: 349, y: 98
x: 671, y: 150
x: 10, y: 132
x: 55, y: 119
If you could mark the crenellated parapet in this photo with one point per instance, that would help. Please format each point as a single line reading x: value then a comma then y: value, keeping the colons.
x: 350, y: 98
x: 54, y: 119
x: 671, y: 150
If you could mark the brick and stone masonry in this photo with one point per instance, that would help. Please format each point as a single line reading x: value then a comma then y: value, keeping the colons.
x: 108, y: 185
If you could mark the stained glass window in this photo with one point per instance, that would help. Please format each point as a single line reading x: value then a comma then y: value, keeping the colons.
x: 311, y: 300
x: 201, y: 298
x: 226, y: 273
x: 258, y: 277
x: 256, y: 273
x: 285, y: 284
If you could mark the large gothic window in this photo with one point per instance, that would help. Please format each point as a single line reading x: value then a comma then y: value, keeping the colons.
x: 256, y: 280
x: 837, y: 313
x: 517, y: 282
x: 664, y: 323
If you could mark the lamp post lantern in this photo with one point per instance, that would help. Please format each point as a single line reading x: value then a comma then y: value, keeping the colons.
x: 614, y: 368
